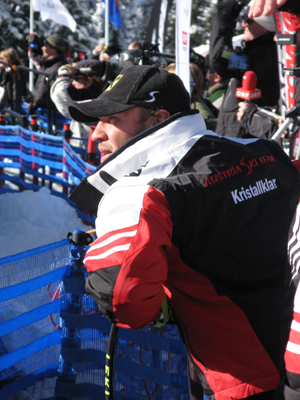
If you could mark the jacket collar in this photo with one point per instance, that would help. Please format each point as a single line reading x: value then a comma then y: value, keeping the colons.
x: 160, y: 145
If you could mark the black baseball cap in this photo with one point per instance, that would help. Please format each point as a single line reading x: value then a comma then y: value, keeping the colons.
x: 89, y: 68
x: 136, y: 86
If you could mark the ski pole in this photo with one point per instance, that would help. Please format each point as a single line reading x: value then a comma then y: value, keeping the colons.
x: 109, y: 366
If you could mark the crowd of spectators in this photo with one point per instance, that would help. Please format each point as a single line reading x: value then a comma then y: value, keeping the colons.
x: 212, y: 88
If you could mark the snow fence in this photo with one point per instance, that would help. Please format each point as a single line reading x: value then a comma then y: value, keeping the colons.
x: 30, y: 160
x: 54, y: 339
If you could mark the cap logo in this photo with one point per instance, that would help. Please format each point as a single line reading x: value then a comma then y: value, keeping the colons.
x: 85, y: 69
x: 84, y: 101
x: 114, y: 82
x: 152, y: 97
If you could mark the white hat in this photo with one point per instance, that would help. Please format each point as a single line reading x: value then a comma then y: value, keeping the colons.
x: 266, y: 22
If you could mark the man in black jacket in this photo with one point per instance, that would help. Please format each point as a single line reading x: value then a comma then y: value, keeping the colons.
x: 258, y: 46
x: 197, y: 215
x: 259, y: 121
x: 53, y: 57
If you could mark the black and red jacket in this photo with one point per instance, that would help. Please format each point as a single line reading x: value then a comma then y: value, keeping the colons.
x: 206, y: 218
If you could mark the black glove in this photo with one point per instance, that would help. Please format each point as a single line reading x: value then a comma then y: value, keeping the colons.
x: 34, y: 38
x: 32, y: 108
x: 35, y: 42
x: 231, y: 7
x: 4, y: 76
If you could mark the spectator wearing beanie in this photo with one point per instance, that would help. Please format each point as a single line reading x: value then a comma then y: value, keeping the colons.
x: 52, y: 59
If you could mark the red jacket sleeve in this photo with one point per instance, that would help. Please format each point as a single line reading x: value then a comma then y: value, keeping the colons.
x: 130, y: 255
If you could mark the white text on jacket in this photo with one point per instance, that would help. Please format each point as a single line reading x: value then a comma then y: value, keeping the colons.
x: 257, y: 189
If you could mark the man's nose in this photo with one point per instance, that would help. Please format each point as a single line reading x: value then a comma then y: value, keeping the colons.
x: 99, y: 134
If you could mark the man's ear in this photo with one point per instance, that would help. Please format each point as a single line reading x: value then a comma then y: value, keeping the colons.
x: 161, y: 115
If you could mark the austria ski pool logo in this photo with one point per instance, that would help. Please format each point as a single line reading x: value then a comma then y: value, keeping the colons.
x: 260, y: 187
x: 243, y: 167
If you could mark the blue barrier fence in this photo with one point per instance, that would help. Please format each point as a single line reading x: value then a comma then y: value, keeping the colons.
x: 29, y: 160
x: 54, y: 338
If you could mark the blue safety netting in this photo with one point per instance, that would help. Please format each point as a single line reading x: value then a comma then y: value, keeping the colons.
x: 42, y: 117
x: 54, y: 339
x: 29, y: 344
x: 30, y: 160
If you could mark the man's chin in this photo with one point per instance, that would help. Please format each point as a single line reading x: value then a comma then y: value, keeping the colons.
x: 104, y: 155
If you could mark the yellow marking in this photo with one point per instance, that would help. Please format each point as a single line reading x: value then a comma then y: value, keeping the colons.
x: 114, y: 82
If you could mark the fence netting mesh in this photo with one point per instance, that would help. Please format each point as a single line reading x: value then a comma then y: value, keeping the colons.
x: 30, y: 160
x: 54, y: 339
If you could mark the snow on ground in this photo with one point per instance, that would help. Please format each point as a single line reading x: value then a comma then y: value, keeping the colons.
x: 31, y: 219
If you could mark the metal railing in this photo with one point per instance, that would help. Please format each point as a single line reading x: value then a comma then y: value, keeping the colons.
x: 49, y: 103
x: 10, y: 81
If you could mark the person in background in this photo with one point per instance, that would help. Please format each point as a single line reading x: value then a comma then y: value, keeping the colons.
x: 197, y: 101
x: 264, y: 121
x: 137, y: 45
x: 110, y: 53
x: 216, y: 89
x: 258, y: 48
x: 77, y: 82
x: 191, y: 222
x: 11, y: 80
x: 53, y: 57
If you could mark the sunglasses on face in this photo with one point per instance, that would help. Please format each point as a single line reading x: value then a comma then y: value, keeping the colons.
x: 248, y: 21
x: 80, y: 78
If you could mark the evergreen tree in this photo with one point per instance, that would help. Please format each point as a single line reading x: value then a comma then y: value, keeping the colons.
x: 201, y: 16
x: 14, y: 26
x: 88, y: 14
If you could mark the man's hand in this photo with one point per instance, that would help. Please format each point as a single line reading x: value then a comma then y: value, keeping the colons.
x: 33, y: 108
x: 242, y: 107
x: 35, y: 43
x: 34, y: 40
x: 97, y: 50
x: 264, y: 7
